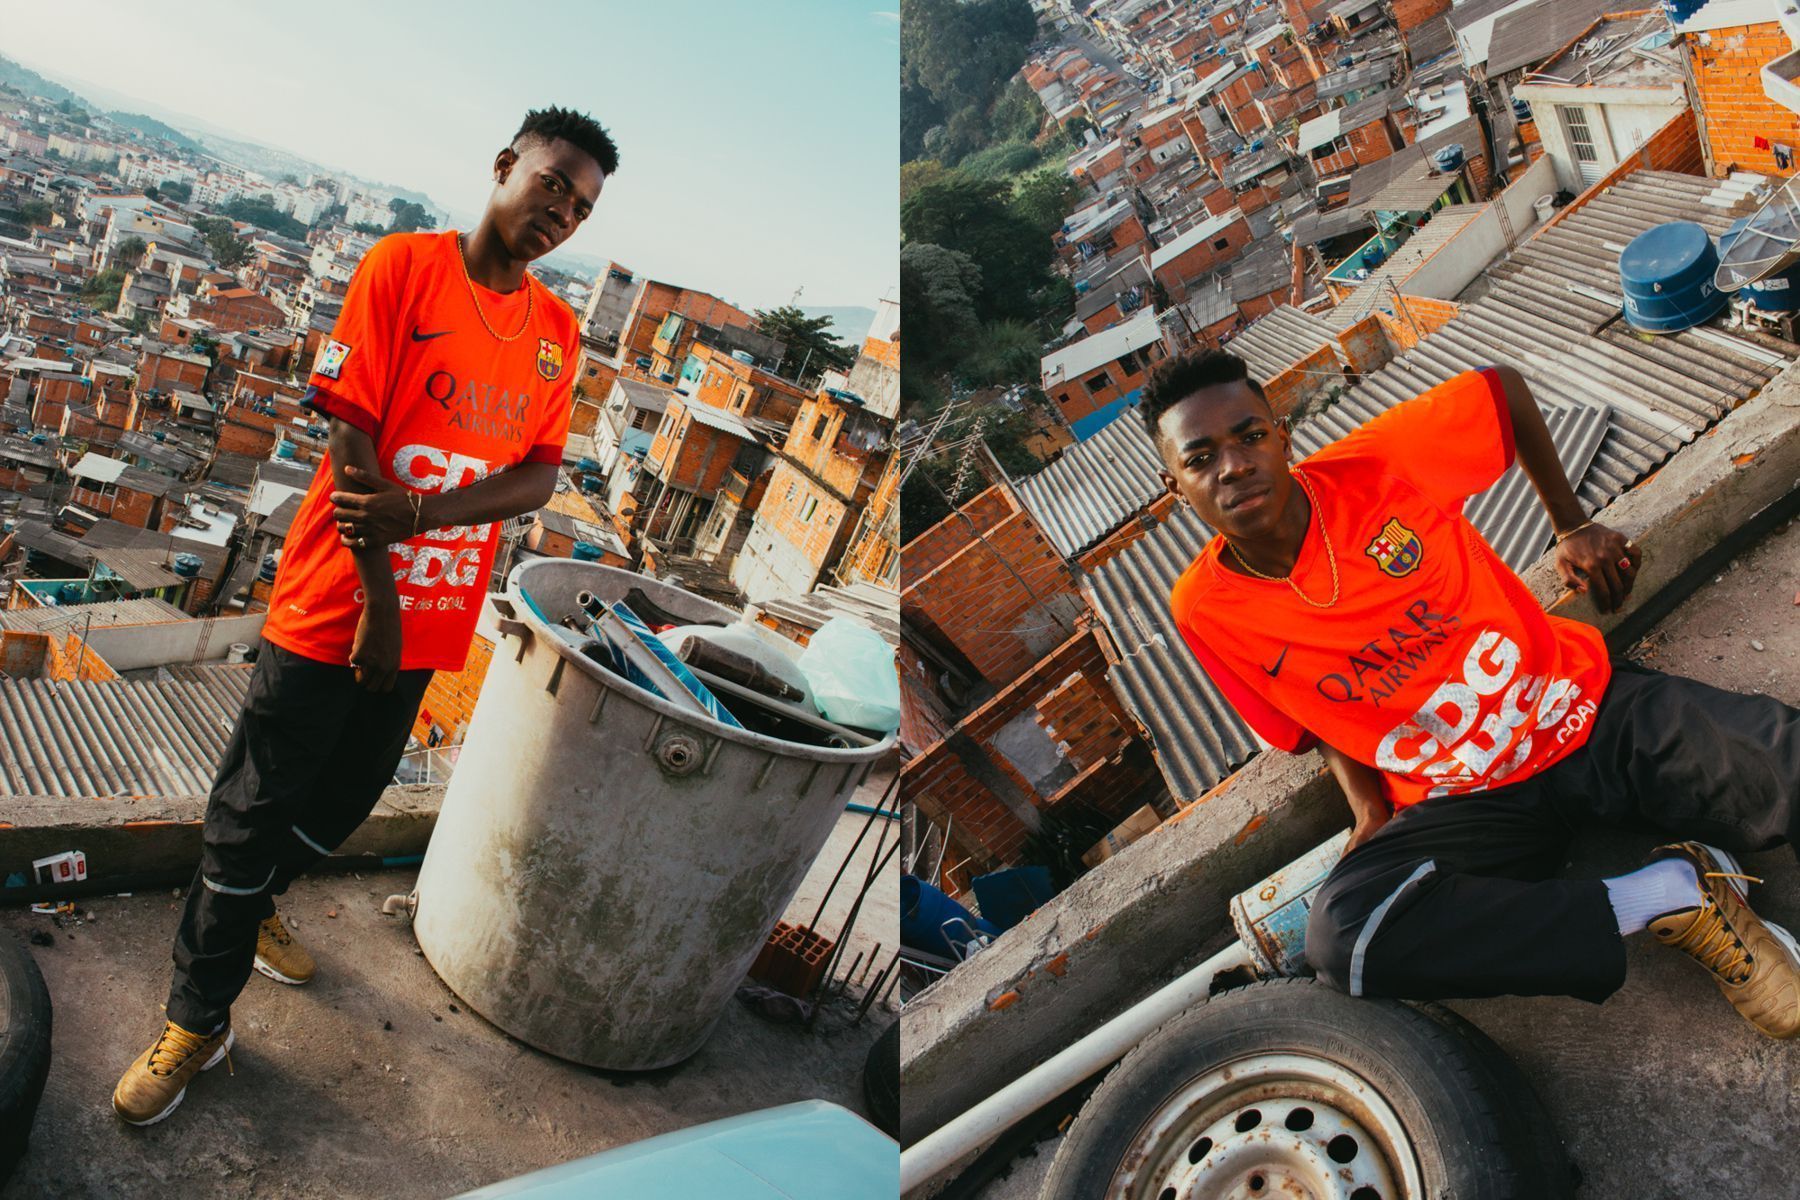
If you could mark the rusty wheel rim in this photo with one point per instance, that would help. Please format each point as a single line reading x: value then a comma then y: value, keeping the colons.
x: 1288, y: 1125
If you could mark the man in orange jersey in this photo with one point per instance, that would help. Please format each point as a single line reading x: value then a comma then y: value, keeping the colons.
x: 1348, y: 604
x: 447, y: 383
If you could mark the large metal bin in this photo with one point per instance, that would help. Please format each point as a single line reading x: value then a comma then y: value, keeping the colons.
x: 606, y: 864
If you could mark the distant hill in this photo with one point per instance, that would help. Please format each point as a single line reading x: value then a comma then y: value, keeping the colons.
x: 155, y: 128
x: 33, y: 84
x: 847, y: 324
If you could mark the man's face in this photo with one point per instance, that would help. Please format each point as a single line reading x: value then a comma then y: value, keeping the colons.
x: 545, y: 190
x: 1225, y: 455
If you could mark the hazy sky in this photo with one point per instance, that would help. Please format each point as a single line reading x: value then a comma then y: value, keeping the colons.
x: 758, y: 139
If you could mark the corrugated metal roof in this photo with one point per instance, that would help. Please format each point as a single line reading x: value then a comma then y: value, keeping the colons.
x: 73, y: 618
x: 1354, y: 79
x: 1309, y: 229
x: 1367, y: 181
x: 1510, y: 515
x: 1198, y: 737
x: 1279, y: 339
x: 1542, y: 316
x: 160, y: 737
x: 869, y: 603
x: 1095, y: 486
x: 1525, y: 35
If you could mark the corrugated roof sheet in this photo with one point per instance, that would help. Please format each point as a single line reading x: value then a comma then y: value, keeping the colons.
x: 160, y: 737
x: 869, y: 603
x: 1354, y: 79
x: 1196, y: 734
x: 1372, y: 292
x: 1526, y: 35
x: 1510, y: 515
x: 67, y: 618
x: 1551, y: 312
x: 1276, y: 341
x: 1309, y: 229
x: 1095, y: 487
x: 1367, y: 181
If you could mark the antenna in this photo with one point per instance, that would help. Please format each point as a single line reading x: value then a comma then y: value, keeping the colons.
x: 1768, y: 244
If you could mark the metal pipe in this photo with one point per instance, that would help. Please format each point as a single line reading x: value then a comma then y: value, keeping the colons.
x: 950, y: 1143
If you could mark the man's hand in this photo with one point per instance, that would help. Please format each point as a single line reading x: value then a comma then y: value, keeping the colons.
x: 1601, y: 562
x: 1368, y: 823
x: 375, y: 654
x: 379, y: 517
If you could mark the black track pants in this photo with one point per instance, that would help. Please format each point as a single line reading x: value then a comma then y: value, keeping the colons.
x: 1456, y: 897
x: 307, y: 761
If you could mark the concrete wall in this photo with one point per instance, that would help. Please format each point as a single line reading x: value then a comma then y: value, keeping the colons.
x: 1455, y: 264
x: 1617, y: 129
x: 128, y: 647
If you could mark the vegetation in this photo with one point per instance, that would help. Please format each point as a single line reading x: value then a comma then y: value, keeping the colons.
x: 228, y: 250
x: 955, y: 61
x: 367, y: 227
x: 175, y: 191
x: 409, y: 217
x: 131, y: 252
x: 36, y: 212
x: 262, y: 213
x: 102, y: 291
x: 809, y: 348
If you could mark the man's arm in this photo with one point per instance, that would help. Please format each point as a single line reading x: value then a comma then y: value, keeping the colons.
x: 375, y: 654
x: 375, y: 507
x: 1595, y: 557
x: 1361, y: 785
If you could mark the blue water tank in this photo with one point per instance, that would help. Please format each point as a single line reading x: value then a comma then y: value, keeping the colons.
x: 1449, y: 158
x: 187, y: 565
x: 284, y: 450
x: 587, y: 466
x: 1667, y: 276
x: 38, y: 439
x: 585, y: 552
x: 1681, y: 10
x: 266, y: 572
x: 1521, y: 110
x: 1780, y: 292
x: 160, y: 435
x: 590, y: 483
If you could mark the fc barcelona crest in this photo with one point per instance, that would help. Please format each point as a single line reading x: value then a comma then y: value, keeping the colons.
x: 549, y: 359
x: 1396, y: 549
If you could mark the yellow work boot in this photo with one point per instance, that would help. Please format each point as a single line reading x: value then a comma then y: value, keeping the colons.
x: 279, y: 956
x: 154, y: 1084
x: 1755, y: 962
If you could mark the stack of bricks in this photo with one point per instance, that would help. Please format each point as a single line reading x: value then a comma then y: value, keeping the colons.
x: 1726, y: 68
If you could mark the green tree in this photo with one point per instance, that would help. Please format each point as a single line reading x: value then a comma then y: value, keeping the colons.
x: 1006, y: 352
x: 915, y: 175
x: 809, y: 347
x: 409, y: 216
x: 1002, y: 160
x: 176, y: 191
x: 956, y: 58
x: 972, y: 216
x: 1018, y: 114
x: 228, y: 250
x: 131, y: 252
x: 366, y: 227
x: 36, y: 212
x: 264, y: 215
x: 937, y: 293
x: 102, y: 291
x: 1045, y: 198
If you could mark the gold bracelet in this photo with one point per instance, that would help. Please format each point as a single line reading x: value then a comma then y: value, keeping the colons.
x: 1562, y: 537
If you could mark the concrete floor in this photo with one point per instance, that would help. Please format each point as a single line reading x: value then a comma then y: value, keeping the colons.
x: 1663, y: 1092
x: 374, y: 1080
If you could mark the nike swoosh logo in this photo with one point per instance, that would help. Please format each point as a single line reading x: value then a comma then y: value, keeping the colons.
x: 1276, y: 669
x: 426, y: 337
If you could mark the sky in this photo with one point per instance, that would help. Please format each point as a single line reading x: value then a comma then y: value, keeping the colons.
x: 758, y: 141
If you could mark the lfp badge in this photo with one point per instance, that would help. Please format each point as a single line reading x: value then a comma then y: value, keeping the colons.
x: 549, y: 359
x: 1396, y: 549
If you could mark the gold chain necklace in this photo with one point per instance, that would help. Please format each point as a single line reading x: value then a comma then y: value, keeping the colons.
x: 463, y: 261
x: 1288, y: 579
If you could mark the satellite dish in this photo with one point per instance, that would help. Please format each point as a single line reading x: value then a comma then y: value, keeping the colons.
x: 1768, y: 244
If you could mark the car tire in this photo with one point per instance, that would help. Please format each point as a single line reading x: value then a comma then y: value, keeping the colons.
x: 1289, y: 1084
x: 881, y: 1081
x: 24, y: 1048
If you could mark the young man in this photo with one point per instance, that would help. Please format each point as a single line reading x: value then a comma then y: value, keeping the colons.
x: 1347, y: 603
x: 447, y: 383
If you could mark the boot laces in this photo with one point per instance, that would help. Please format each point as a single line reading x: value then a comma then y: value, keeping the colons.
x: 174, y: 1047
x: 277, y: 932
x: 1715, y: 943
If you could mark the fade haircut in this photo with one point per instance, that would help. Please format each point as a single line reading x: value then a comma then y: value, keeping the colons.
x: 1175, y: 379
x: 577, y: 129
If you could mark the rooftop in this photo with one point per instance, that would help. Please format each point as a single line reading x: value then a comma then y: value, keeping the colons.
x: 1097, y: 349
x: 1276, y: 341
x: 1205, y: 230
x: 1525, y: 36
x: 1372, y: 291
x: 1625, y: 50
x: 1326, y: 128
x: 1096, y: 486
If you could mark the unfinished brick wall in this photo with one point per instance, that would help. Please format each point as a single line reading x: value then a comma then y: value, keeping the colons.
x: 1737, y: 111
x: 972, y: 778
x: 1364, y: 346
x: 70, y: 659
x: 927, y: 552
x: 1416, y: 317
x: 1003, y: 602
x: 450, y: 697
x: 1133, y: 531
x: 1305, y: 380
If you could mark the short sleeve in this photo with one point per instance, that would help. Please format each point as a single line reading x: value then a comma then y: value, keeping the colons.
x: 1268, y: 722
x: 1452, y: 442
x: 352, y: 375
x: 553, y: 427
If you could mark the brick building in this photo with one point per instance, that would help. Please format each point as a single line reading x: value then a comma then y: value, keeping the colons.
x: 1199, y: 251
x: 1094, y: 379
x: 1343, y: 139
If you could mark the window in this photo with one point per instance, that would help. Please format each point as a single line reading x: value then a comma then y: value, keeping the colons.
x: 1098, y: 382
x: 1581, y: 138
x: 1223, y: 243
x: 819, y: 426
x: 643, y: 418
x: 790, y: 491
x: 1128, y: 363
x: 806, y: 510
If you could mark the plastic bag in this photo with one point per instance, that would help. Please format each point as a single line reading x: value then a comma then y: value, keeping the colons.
x: 852, y: 674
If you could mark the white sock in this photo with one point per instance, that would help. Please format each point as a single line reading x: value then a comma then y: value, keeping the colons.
x: 1665, y: 886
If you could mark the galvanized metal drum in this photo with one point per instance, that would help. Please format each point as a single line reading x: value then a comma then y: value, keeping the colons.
x: 606, y: 863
